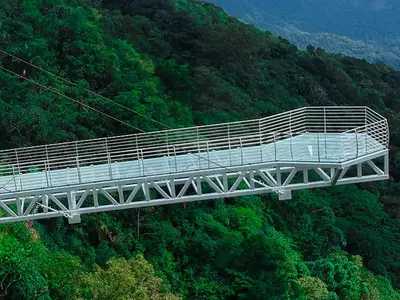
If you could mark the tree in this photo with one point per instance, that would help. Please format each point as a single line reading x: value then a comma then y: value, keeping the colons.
x: 126, y: 279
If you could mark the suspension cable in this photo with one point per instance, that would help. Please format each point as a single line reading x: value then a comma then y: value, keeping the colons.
x: 71, y: 99
x: 85, y: 89
x: 109, y: 116
x: 93, y: 109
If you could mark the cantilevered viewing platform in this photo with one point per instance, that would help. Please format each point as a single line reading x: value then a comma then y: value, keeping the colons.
x: 308, y: 147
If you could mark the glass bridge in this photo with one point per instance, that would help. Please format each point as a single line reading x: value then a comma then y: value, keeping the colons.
x: 308, y: 147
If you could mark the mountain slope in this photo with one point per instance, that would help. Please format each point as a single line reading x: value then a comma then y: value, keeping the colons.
x: 369, y: 31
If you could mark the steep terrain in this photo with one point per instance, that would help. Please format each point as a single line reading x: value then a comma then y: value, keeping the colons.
x: 186, y: 62
x: 363, y: 29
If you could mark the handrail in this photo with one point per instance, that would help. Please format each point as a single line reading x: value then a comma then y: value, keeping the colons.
x: 361, y: 129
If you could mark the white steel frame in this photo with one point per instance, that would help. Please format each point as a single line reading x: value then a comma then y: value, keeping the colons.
x: 345, y: 145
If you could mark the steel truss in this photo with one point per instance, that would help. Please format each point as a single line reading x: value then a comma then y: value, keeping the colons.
x: 277, y: 177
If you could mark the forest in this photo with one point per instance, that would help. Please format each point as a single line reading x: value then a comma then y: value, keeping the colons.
x: 367, y: 29
x: 186, y: 62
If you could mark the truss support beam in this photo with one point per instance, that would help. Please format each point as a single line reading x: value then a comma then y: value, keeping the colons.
x: 336, y: 175
x: 74, y: 201
x: 75, y: 216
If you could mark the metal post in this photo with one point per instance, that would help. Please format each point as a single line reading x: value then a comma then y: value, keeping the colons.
x: 278, y: 176
x: 274, y: 144
x: 138, y: 159
x: 109, y: 165
x: 366, y: 131
x: 19, y: 169
x: 386, y: 164
x: 291, y: 135
x: 198, y: 147
x: 176, y: 164
x: 326, y: 154
x: 47, y: 176
x: 319, y: 156
x: 168, y: 159
x: 76, y: 149
x: 241, y: 149
x: 144, y: 171
x: 208, y: 154
x: 47, y: 155
x: 78, y: 170
x: 355, y: 130
x: 75, y: 217
x: 291, y: 145
x: 45, y: 202
x: 15, y: 181
x: 359, y: 170
x: 229, y: 144
x: 261, y: 143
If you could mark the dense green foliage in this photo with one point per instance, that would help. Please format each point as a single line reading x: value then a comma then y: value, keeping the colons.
x: 184, y: 62
x: 368, y: 19
x: 363, y: 29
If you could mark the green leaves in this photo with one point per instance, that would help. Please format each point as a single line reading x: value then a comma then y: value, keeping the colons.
x: 121, y: 279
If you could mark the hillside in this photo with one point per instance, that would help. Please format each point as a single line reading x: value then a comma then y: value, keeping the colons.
x: 186, y: 62
x: 367, y: 31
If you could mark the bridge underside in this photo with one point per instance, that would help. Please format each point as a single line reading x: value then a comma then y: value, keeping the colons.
x: 310, y: 161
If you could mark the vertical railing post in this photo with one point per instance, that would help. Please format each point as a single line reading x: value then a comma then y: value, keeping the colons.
x: 176, y: 163
x: 366, y: 130
x: 291, y: 135
x: 109, y: 165
x: 47, y: 154
x: 78, y: 170
x: 77, y: 163
x: 46, y: 173
x: 76, y: 149
x: 19, y: 169
x: 15, y: 180
x: 241, y: 149
x: 138, y: 159
x: 229, y: 145
x: 47, y: 168
x: 144, y: 170
x: 355, y: 131
x: 326, y: 151
x: 208, y: 155
x: 198, y: 146
x: 168, y: 159
x: 319, y: 154
x: 108, y: 159
x: 274, y: 144
x: 261, y: 143
x: 291, y: 145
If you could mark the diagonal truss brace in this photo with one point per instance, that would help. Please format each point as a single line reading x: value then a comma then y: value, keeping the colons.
x: 181, y: 187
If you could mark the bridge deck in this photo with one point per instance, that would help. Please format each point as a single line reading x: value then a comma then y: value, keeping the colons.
x: 340, y: 145
x: 308, y: 147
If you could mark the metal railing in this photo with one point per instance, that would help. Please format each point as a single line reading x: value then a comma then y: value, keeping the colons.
x: 319, y: 134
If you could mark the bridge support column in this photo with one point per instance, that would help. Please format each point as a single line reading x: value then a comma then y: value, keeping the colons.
x: 74, y: 218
